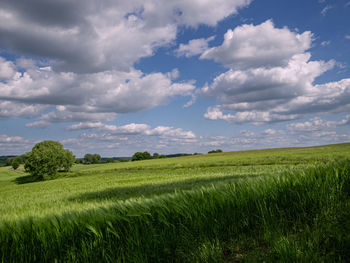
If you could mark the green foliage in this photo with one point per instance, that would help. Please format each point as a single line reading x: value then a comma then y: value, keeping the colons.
x: 110, y: 160
x: 216, y: 151
x: 155, y: 155
x: 47, y: 157
x: 92, y: 158
x: 68, y: 160
x: 138, y: 156
x: 16, y: 162
x: 8, y: 161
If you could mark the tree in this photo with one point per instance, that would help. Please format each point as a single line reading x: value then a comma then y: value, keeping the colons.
x: 16, y: 162
x: 110, y: 160
x: 48, y: 157
x: 92, y: 158
x: 138, y: 156
x: 155, y: 155
x: 68, y: 160
x: 216, y: 151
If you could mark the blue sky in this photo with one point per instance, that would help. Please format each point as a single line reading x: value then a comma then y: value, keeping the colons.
x: 173, y: 76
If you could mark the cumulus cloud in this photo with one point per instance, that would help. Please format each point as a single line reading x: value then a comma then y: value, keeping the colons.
x: 317, y: 124
x: 130, y: 137
x: 264, y: 45
x: 104, y: 35
x: 194, y: 47
x: 97, y: 96
x: 135, y: 129
x: 280, y: 89
x: 83, y: 54
x: 7, y: 69
x: 14, y: 144
x: 9, y: 109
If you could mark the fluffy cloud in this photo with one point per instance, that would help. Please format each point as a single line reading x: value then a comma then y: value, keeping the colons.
x: 92, y: 36
x: 264, y: 45
x: 194, y: 47
x: 127, y: 139
x: 83, y: 97
x: 135, y: 129
x: 271, y: 77
x: 7, y: 69
x: 14, y: 144
x: 10, y: 109
x: 317, y: 124
x: 84, y: 54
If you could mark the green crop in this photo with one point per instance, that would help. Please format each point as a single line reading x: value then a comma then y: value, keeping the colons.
x: 269, y: 205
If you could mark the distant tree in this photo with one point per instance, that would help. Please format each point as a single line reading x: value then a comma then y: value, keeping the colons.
x: 138, y: 156
x: 48, y: 157
x: 216, y: 151
x: 162, y: 156
x: 155, y: 155
x: 78, y: 161
x: 9, y: 161
x: 88, y: 158
x: 96, y: 158
x: 110, y: 160
x: 67, y: 160
x: 92, y: 158
x: 16, y: 162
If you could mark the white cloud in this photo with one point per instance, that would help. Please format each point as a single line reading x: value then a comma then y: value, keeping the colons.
x: 281, y: 88
x: 317, y: 124
x: 325, y: 43
x: 194, y: 47
x: 7, y: 69
x: 102, y: 36
x: 347, y: 36
x: 83, y: 54
x: 263, y: 45
x: 130, y: 138
x: 97, y: 96
x: 135, y: 129
x: 14, y: 144
x: 326, y: 9
x: 10, y: 109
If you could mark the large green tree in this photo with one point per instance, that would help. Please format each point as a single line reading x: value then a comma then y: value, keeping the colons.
x: 47, y: 157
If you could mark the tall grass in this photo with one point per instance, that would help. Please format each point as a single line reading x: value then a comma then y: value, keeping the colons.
x: 277, y: 218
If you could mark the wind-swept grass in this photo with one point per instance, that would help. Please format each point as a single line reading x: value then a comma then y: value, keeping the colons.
x: 192, y: 211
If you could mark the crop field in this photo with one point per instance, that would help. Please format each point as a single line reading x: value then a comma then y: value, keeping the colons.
x: 275, y: 205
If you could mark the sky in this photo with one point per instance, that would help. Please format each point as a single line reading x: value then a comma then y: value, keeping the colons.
x: 117, y: 77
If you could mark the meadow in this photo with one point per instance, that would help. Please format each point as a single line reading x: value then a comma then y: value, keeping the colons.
x: 286, y: 205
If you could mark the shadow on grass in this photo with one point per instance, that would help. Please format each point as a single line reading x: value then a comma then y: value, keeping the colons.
x: 126, y: 192
x: 28, y: 179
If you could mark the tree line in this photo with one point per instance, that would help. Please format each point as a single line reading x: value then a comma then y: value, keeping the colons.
x: 49, y: 157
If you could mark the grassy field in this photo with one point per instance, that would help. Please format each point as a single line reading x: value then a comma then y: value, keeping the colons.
x: 271, y: 205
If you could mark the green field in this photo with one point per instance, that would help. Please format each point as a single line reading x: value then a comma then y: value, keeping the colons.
x: 271, y: 205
